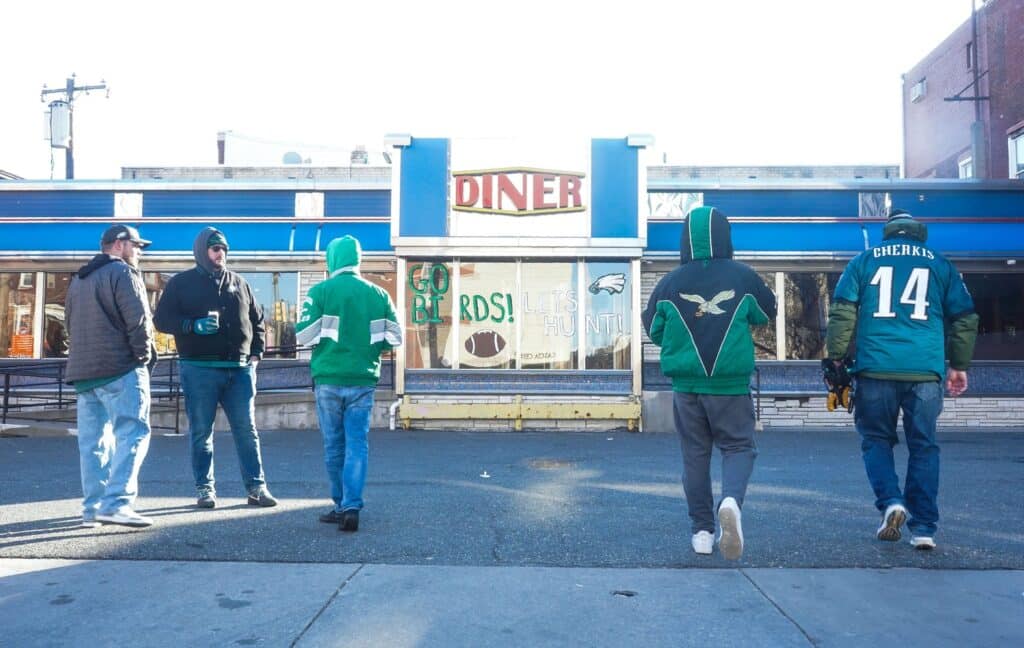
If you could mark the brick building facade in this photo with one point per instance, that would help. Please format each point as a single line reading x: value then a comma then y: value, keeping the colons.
x: 937, y: 132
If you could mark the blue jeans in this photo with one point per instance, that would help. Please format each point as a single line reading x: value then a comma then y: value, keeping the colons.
x: 344, y: 414
x: 113, y: 438
x: 234, y: 388
x: 878, y: 404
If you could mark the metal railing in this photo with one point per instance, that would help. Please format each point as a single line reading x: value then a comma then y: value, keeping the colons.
x: 37, y: 387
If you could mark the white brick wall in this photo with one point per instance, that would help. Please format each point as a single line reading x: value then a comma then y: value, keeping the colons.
x: 957, y: 412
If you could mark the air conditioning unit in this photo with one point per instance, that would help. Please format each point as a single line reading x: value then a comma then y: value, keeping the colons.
x: 918, y: 91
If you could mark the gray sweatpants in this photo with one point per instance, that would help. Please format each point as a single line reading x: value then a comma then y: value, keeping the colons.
x: 727, y: 422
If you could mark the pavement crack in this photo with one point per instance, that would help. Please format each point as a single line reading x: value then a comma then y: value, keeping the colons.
x: 326, y: 605
x: 810, y: 640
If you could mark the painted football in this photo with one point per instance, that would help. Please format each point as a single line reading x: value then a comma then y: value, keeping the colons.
x: 485, y: 343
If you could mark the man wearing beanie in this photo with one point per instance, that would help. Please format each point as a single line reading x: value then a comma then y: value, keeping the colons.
x: 218, y: 330
x: 900, y: 298
x: 349, y: 321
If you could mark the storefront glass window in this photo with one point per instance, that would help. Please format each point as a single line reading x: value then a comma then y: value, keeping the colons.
x: 487, y: 315
x: 548, y: 308
x: 428, y: 315
x: 277, y: 294
x: 999, y: 302
x: 765, y: 340
x: 608, y: 315
x: 18, y: 297
x: 55, y: 332
x: 808, y: 296
x: 155, y: 283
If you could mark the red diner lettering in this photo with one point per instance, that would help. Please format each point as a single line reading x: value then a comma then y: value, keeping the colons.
x: 509, y: 190
x: 466, y: 191
x: 541, y: 188
x: 569, y: 186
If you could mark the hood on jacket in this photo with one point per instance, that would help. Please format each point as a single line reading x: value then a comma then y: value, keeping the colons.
x: 95, y: 264
x: 201, y: 244
x: 706, y: 235
x: 902, y: 225
x: 343, y: 254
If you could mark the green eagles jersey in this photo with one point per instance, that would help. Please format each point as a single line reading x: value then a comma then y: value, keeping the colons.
x: 905, y: 294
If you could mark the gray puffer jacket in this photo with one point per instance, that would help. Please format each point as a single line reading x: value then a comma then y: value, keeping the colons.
x: 109, y: 324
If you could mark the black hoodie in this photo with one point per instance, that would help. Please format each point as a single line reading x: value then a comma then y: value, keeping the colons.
x: 700, y: 313
x: 192, y: 294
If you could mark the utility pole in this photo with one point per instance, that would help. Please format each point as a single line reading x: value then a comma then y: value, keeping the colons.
x: 69, y: 93
x: 979, y: 150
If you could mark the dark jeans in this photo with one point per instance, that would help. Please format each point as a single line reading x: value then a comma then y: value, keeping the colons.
x: 703, y: 420
x: 878, y: 404
x: 234, y: 388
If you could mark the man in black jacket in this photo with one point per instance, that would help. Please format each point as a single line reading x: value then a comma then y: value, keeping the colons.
x: 218, y: 331
x: 111, y: 350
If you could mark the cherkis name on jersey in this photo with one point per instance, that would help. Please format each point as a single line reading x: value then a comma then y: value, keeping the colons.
x: 902, y: 249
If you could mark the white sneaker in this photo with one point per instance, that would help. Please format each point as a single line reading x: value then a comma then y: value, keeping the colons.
x: 703, y: 542
x: 731, y: 540
x: 922, y: 543
x: 126, y: 517
x: 89, y: 523
x: 893, y: 518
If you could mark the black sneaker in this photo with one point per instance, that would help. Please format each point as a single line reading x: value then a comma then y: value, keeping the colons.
x: 349, y: 520
x: 333, y: 517
x: 262, y: 497
x: 206, y: 500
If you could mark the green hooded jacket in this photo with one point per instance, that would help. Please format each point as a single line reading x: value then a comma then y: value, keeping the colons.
x: 349, y: 321
x: 700, y: 314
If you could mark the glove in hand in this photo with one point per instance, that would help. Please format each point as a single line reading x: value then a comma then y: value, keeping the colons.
x: 205, y: 325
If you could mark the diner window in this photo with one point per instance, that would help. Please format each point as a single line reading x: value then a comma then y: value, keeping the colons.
x: 965, y: 168
x: 808, y: 296
x: 1016, y: 143
x: 55, y: 331
x: 999, y: 302
x: 155, y: 283
x: 428, y: 315
x: 764, y: 337
x: 277, y: 294
x: 608, y: 314
x: 18, y: 297
x: 487, y: 315
x: 549, y: 307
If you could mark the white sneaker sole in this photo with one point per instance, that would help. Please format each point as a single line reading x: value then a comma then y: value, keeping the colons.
x: 125, y: 521
x: 890, y: 529
x: 731, y: 543
x: 90, y: 524
x: 922, y: 545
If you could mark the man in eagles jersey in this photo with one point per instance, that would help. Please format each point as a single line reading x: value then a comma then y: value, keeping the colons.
x: 906, y: 305
x: 700, y: 315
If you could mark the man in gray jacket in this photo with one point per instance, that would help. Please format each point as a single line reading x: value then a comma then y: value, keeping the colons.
x: 110, y: 356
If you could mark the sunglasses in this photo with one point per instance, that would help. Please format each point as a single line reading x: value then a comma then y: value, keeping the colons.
x: 218, y: 248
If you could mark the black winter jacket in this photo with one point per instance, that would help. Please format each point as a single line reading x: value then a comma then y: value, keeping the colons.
x: 109, y: 327
x: 193, y: 294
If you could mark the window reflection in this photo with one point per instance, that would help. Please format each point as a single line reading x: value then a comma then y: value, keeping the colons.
x: 999, y: 302
x: 428, y: 315
x: 548, y: 308
x: 55, y: 332
x: 487, y: 315
x: 18, y: 296
x: 277, y: 294
x: 609, y: 314
x: 808, y: 296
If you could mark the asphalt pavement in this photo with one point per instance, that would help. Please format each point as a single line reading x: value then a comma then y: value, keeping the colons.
x: 513, y: 539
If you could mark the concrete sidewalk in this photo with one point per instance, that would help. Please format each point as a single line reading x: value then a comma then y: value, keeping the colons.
x: 163, y: 603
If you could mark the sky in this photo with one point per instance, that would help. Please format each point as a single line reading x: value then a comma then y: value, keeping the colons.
x: 740, y: 82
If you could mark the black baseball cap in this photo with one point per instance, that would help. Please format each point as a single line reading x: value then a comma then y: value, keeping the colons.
x: 123, y: 233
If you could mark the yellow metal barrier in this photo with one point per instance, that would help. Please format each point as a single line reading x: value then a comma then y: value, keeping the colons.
x: 518, y: 410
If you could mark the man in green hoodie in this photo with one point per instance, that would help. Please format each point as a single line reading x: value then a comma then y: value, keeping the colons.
x: 700, y: 315
x: 349, y: 321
